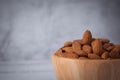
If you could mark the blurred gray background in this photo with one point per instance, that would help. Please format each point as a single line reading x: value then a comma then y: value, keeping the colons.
x: 35, y: 29
x: 32, y: 30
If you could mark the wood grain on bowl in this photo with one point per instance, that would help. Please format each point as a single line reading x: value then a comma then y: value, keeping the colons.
x: 77, y: 69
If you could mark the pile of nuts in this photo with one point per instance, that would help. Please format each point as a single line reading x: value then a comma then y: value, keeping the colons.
x: 89, y: 48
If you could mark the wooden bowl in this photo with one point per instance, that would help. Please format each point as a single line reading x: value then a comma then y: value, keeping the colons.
x: 86, y: 69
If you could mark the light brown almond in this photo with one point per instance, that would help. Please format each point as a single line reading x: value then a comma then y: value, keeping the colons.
x: 97, y: 47
x: 67, y: 44
x: 67, y: 49
x: 115, y: 53
x: 110, y: 48
x: 76, y: 46
x: 87, y: 37
x: 82, y: 53
x: 58, y: 52
x: 104, y: 40
x: 78, y: 40
x: 87, y: 48
x: 105, y: 55
x: 106, y: 45
x: 93, y: 56
x: 70, y: 55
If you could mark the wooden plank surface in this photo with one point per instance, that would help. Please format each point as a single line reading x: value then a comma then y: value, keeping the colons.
x: 27, y: 70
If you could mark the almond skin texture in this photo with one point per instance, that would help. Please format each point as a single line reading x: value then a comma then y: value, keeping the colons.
x: 67, y: 49
x: 70, y: 55
x: 110, y: 48
x: 82, y: 53
x: 67, y: 44
x: 59, y: 52
x: 115, y: 53
x: 106, y: 45
x: 87, y: 37
x: 63, y: 53
x: 97, y: 47
x: 104, y: 40
x: 76, y: 46
x: 93, y: 56
x: 105, y: 55
x: 78, y: 40
x: 87, y: 48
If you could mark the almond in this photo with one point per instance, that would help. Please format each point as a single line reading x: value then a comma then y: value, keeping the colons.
x: 70, y: 55
x: 106, y: 45
x: 110, y: 48
x: 104, y: 40
x: 59, y: 52
x: 78, y: 40
x: 87, y: 37
x: 115, y: 53
x: 105, y: 55
x: 67, y: 44
x: 67, y: 49
x: 63, y: 53
x: 82, y: 53
x: 76, y: 46
x: 97, y: 47
x: 87, y: 48
x: 93, y: 56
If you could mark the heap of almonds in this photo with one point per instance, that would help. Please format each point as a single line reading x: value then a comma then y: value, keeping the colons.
x: 89, y: 48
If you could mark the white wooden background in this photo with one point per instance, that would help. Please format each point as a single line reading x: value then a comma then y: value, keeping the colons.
x: 27, y: 70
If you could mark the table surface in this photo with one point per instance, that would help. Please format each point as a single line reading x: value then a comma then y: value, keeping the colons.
x: 27, y: 70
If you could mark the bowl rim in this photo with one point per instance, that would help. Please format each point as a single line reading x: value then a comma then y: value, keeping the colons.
x: 74, y: 59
